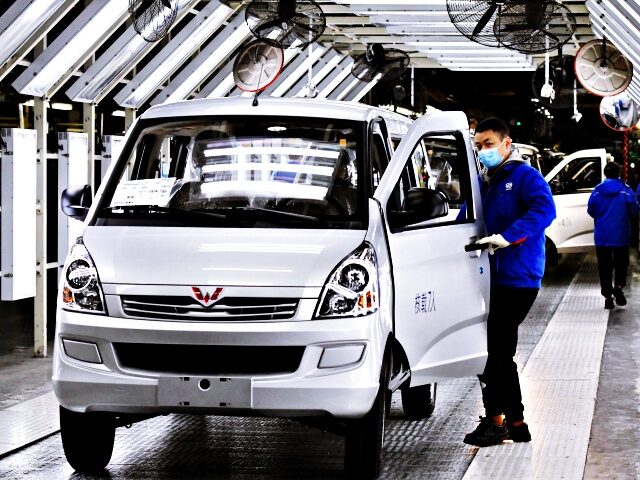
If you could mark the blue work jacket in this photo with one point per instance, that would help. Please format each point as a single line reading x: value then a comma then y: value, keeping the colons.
x: 612, y: 204
x: 518, y: 204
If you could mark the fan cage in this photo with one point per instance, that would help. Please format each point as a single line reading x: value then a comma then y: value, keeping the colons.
x: 152, y: 19
x: 392, y: 67
x: 554, y: 27
x: 305, y: 26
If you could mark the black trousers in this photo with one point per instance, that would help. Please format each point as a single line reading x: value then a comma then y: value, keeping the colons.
x: 612, y: 259
x: 499, y: 381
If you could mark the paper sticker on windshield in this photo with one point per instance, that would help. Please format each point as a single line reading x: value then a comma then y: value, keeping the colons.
x: 152, y: 191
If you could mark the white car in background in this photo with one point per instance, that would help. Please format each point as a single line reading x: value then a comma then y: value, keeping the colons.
x: 572, y: 180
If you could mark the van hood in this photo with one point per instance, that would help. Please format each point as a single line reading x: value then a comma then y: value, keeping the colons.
x: 198, y: 256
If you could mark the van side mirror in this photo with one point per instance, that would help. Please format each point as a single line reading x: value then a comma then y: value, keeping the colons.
x: 420, y: 204
x: 75, y: 201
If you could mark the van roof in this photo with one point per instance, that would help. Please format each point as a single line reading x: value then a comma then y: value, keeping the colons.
x: 274, y: 106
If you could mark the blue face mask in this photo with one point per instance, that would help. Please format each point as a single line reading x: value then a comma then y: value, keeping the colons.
x: 490, y: 157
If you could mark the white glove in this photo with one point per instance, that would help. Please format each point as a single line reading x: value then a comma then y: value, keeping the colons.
x: 494, y: 241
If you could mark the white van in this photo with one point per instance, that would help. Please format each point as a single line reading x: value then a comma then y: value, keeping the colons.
x: 572, y: 181
x: 271, y: 260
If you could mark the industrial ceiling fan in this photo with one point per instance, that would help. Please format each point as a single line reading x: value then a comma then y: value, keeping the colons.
x: 535, y: 27
x: 152, y: 19
x: 387, y: 63
x: 286, y: 21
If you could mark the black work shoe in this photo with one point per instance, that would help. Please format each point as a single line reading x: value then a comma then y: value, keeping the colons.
x: 487, y: 433
x: 608, y: 303
x: 519, y: 433
x: 620, y: 300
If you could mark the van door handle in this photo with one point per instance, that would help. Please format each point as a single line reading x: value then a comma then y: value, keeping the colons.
x: 474, y: 248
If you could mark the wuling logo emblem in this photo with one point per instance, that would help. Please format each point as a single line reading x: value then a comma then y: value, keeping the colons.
x: 206, y: 298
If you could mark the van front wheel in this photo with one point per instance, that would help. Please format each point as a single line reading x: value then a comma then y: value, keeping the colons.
x: 419, y: 402
x: 365, y: 436
x: 87, y: 439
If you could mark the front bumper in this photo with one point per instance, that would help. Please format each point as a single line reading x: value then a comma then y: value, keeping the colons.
x: 338, y: 372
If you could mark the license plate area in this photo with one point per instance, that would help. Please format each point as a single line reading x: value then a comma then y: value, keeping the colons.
x: 218, y: 392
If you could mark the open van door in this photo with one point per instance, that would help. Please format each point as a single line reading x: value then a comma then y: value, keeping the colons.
x: 441, y: 291
x: 572, y: 182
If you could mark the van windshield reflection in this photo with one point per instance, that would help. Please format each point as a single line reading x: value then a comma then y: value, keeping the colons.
x: 293, y: 172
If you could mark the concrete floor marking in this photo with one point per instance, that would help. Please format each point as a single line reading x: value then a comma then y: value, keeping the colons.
x: 559, y: 384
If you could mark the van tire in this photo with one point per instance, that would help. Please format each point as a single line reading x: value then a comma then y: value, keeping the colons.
x: 87, y: 439
x: 419, y: 402
x: 365, y: 436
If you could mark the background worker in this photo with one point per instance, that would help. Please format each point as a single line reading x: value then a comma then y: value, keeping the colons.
x: 612, y: 205
x: 518, y: 207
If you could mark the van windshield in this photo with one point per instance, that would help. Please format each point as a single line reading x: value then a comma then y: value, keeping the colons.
x: 241, y: 172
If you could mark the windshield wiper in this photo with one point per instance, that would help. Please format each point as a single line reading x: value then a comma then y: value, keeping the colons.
x: 201, y: 214
x: 265, y: 213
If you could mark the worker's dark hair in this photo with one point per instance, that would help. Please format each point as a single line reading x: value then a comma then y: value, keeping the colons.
x: 493, y: 123
x: 612, y: 170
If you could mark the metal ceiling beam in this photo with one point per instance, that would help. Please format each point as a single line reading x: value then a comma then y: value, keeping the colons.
x: 72, y: 48
x: 206, y: 62
x: 337, y: 75
x: 356, y: 94
x: 173, y: 55
x: 24, y: 24
x: 118, y: 60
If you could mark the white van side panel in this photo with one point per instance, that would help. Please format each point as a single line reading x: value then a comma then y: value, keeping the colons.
x: 572, y: 230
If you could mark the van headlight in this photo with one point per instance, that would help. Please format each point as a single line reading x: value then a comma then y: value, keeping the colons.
x: 352, y: 288
x: 81, y: 289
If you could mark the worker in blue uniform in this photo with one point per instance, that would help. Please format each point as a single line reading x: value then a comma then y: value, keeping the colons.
x: 612, y: 205
x: 518, y: 207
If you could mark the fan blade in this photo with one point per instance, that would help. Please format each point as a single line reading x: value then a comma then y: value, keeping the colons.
x: 166, y: 3
x: 276, y: 22
x: 485, y: 19
x: 514, y: 27
x: 549, y: 34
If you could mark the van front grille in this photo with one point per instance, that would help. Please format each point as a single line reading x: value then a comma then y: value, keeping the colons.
x: 209, y: 359
x: 226, y: 309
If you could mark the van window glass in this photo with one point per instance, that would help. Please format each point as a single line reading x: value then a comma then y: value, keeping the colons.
x: 578, y: 176
x: 439, y: 164
x: 266, y: 172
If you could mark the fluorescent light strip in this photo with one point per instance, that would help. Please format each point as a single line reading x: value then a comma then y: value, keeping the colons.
x: 71, y: 48
x: 206, y: 62
x: 21, y: 26
x: 484, y: 68
x: 487, y: 64
x: 410, y: 19
x: 169, y: 59
x: 353, y: 84
x: 116, y: 62
x: 357, y: 94
x: 220, y: 85
x: 387, y: 2
x: 344, y: 69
